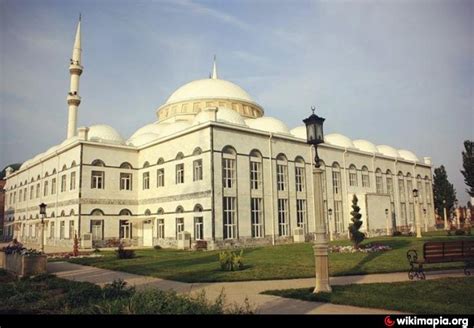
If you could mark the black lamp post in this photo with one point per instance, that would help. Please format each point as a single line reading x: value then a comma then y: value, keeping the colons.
x: 314, y: 133
x: 330, y: 224
x: 315, y: 136
x: 42, y: 211
x: 417, y: 216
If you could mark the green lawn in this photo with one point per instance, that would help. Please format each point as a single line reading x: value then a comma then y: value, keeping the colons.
x: 262, y: 263
x: 439, y: 296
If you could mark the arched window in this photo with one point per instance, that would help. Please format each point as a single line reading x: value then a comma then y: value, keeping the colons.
x: 389, y: 183
x: 256, y: 176
x: 64, y: 167
x: 125, y: 212
x: 198, y: 223
x: 197, y: 151
x: 37, y: 178
x: 179, y: 220
x: 282, y: 172
x: 54, y: 171
x: 161, y: 211
x: 126, y: 165
x: 419, y: 186
x: 71, y: 213
x: 401, y: 186
x: 353, y: 176
x: 378, y: 181
x: 63, y: 214
x: 53, y: 215
x: 336, y: 178
x: 97, y: 212
x: 179, y: 156
x: 409, y: 187
x: 73, y: 163
x: 300, y: 174
x: 229, y: 157
x: 146, y: 164
x: 365, y: 177
x: 97, y: 162
x: 197, y: 208
x: 147, y: 212
x: 161, y: 161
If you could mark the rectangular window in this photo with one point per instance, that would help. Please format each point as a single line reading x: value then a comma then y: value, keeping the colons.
x: 63, y: 183
x: 161, y: 229
x: 72, y: 233
x: 255, y: 175
x: 256, y: 217
x: 38, y: 186
x: 97, y: 181
x: 62, y: 229
x: 411, y: 213
x: 197, y: 170
x: 125, y: 229
x: 403, y: 214
x: 25, y: 191
x: 146, y: 180
x: 428, y: 192
x: 51, y: 230
x: 410, y: 190
x: 179, y: 226
x: 46, y: 188
x: 301, y: 214
x: 97, y: 229
x: 419, y: 186
x: 365, y: 180
x: 282, y: 174
x: 299, y: 177
x: 379, y: 184
x: 228, y: 172
x: 230, y: 224
x: 179, y: 173
x: 324, y: 184
x: 198, y: 228
x: 53, y: 186
x: 125, y: 181
x: 32, y: 191
x: 336, y: 182
x: 338, y: 216
x: 72, y: 182
x: 353, y: 179
x: 14, y: 197
x: 401, y: 189
x: 160, y: 178
x: 390, y: 186
x: 283, y: 222
x: 20, y: 195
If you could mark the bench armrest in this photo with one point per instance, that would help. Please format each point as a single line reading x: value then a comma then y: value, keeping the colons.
x: 412, y: 256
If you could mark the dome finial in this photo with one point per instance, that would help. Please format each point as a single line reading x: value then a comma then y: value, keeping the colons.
x: 214, y: 69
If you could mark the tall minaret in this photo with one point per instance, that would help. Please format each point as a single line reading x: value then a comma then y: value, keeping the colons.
x: 75, y: 69
x: 214, y: 69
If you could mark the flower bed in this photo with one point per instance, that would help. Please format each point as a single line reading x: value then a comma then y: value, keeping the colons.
x: 22, y: 262
x: 70, y: 255
x: 369, y: 248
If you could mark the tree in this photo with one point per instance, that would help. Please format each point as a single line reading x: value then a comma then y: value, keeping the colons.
x: 356, y: 236
x: 468, y: 165
x: 443, y: 190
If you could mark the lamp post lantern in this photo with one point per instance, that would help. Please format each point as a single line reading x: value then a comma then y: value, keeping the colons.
x: 330, y: 224
x: 42, y: 207
x: 387, y: 222
x: 445, y: 215
x: 417, y: 214
x: 315, y: 136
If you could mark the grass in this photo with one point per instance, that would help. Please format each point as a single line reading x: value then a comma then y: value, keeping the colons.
x: 270, y: 262
x: 47, y: 294
x: 440, y: 296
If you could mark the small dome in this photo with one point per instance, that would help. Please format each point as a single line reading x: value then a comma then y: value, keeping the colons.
x: 208, y: 89
x: 172, y: 128
x: 149, y: 128
x: 224, y: 114
x: 25, y: 164
x: 269, y: 124
x: 299, y: 132
x: 340, y: 140
x: 387, y: 151
x: 104, y: 133
x: 365, y: 145
x: 408, y: 155
x: 142, y: 139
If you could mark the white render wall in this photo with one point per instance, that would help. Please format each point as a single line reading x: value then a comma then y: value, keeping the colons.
x: 166, y: 200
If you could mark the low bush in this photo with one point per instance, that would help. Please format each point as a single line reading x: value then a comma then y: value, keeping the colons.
x: 459, y: 232
x: 157, y: 247
x: 123, y: 253
x: 397, y: 233
x: 231, y: 261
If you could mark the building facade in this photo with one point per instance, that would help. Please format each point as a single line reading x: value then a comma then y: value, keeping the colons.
x: 212, y: 165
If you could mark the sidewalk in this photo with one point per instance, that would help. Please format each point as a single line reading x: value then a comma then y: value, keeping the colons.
x: 238, y: 291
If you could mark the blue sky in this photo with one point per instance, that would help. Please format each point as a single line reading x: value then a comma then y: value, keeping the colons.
x: 393, y: 72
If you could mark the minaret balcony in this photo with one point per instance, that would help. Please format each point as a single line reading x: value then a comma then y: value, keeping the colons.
x: 75, y: 69
x: 73, y: 99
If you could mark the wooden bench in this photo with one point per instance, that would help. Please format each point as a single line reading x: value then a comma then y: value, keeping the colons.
x: 441, y: 252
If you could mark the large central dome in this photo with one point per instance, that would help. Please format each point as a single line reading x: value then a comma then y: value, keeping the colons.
x: 209, y: 89
x: 190, y: 99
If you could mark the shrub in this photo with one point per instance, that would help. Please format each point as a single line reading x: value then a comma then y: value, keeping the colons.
x: 231, y: 261
x: 117, y: 289
x: 396, y: 233
x: 200, y: 245
x: 123, y: 253
x: 459, y: 232
x: 157, y: 247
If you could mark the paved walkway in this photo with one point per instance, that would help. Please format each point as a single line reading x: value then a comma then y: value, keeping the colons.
x: 237, y: 292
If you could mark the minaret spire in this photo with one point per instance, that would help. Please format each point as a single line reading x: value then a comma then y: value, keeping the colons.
x: 75, y: 69
x: 214, y: 69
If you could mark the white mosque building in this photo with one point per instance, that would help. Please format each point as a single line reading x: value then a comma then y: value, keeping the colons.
x: 212, y: 167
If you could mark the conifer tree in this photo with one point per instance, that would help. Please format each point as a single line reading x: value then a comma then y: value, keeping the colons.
x: 356, y: 236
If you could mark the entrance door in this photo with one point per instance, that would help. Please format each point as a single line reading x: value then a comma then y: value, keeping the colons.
x: 147, y: 234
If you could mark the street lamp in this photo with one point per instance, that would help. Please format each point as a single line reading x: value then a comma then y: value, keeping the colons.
x: 330, y: 224
x: 42, y: 207
x: 387, y: 222
x: 315, y: 136
x: 445, y: 215
x: 417, y: 215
